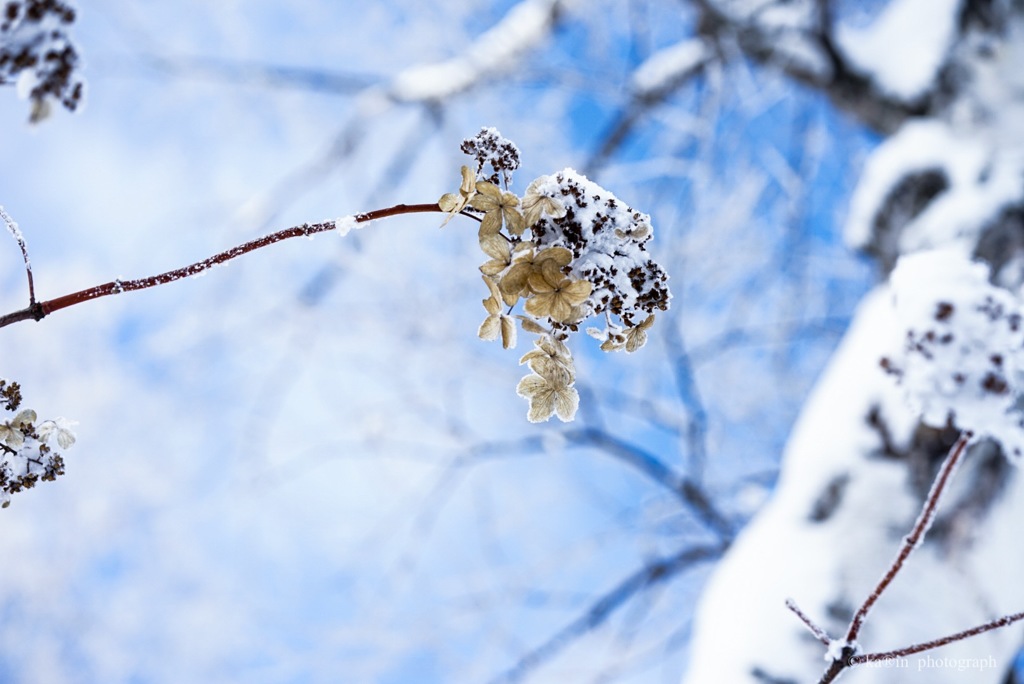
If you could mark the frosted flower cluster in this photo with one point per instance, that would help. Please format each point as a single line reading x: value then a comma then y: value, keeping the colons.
x: 567, y: 249
x: 26, y: 449
x: 962, y: 361
x: 37, y: 54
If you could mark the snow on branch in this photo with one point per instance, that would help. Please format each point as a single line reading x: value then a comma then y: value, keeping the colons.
x: 930, y: 185
x: 962, y: 356
x: 667, y: 67
x: 904, y: 49
x: 494, y: 51
x: 15, y: 232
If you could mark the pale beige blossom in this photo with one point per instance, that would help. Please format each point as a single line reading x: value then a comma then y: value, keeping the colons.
x: 496, y: 246
x: 525, y: 262
x: 61, y: 427
x: 549, y: 396
x: 498, y: 207
x: 555, y: 295
x: 11, y: 432
x: 636, y: 336
x: 536, y: 204
x: 550, y: 358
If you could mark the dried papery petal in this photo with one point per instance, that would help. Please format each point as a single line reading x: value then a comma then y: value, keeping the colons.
x: 636, y: 337
x: 508, y: 332
x: 536, y: 204
x: 532, y: 326
x: 496, y: 247
x: 453, y: 203
x: 490, y: 328
x: 547, y: 398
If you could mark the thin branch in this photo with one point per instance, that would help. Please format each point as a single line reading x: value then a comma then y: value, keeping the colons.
x: 689, y: 492
x: 689, y: 394
x: 256, y: 73
x: 15, y: 232
x: 848, y: 655
x: 842, y: 84
x: 39, y: 310
x: 936, y: 643
x: 636, y: 110
x: 912, y: 540
x: 819, y: 633
x: 600, y: 611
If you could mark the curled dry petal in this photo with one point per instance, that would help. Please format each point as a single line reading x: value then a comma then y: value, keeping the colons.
x: 614, y: 342
x: 453, y: 203
x: 490, y: 328
x: 532, y: 326
x: 497, y: 247
x: 468, y: 186
x: 492, y: 303
x: 536, y: 204
x: 508, y: 332
x: 636, y: 337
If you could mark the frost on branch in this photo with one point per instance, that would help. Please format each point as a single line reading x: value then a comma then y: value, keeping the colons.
x: 37, y: 54
x: 568, y: 249
x: 26, y: 449
x: 962, y: 361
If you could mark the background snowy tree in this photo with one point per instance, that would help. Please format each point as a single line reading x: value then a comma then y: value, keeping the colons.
x: 305, y: 466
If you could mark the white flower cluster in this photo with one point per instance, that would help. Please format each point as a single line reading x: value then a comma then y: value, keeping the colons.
x: 26, y: 455
x: 962, y: 361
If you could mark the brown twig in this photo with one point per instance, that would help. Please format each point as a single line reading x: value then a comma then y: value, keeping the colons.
x: 936, y: 643
x: 848, y: 655
x: 911, y: 541
x: 38, y: 310
x: 819, y: 633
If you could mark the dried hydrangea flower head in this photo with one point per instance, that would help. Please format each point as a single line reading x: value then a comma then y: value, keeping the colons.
x: 569, y: 249
x: 26, y: 456
x: 38, y: 55
x: 960, y: 355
